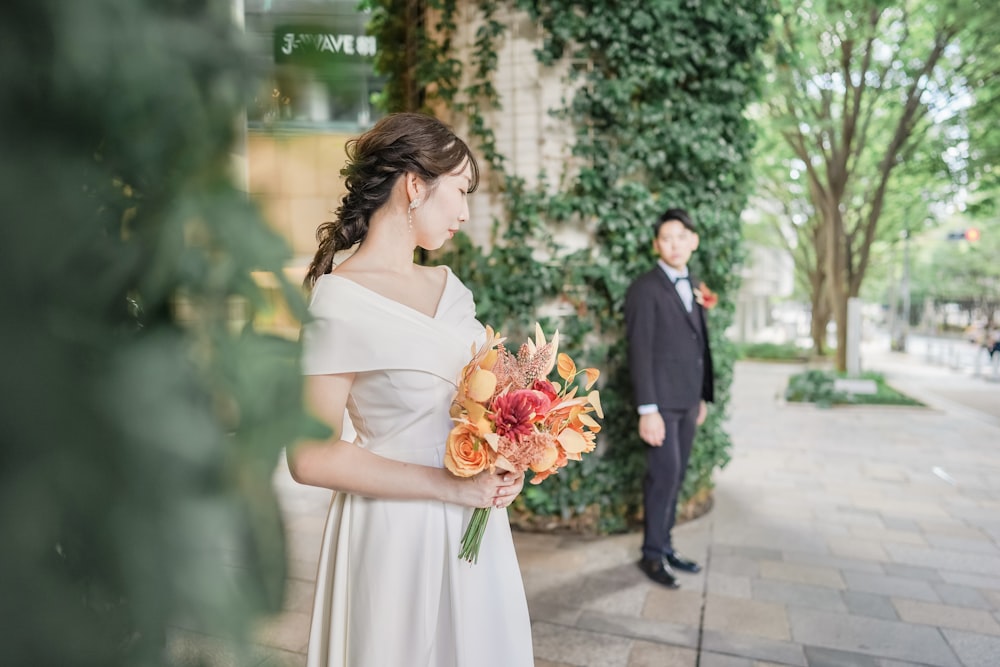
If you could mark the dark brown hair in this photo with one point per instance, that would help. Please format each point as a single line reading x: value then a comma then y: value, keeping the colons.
x: 397, y: 144
x: 678, y: 214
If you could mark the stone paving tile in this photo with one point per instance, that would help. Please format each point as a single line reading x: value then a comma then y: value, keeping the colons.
x: 594, y: 587
x: 964, y: 544
x: 740, y: 566
x: 870, y: 604
x: 298, y: 596
x: 753, y: 553
x: 974, y: 650
x: 825, y: 657
x: 835, y: 562
x: 895, y: 523
x: 893, y: 586
x: 301, y: 569
x: 912, y: 572
x: 951, y: 529
x: 288, y: 631
x: 797, y: 537
x: 720, y: 660
x: 629, y: 600
x: 947, y: 616
x: 972, y: 563
x: 885, y: 472
x: 728, y: 643
x: 730, y: 586
x: 639, y: 628
x: 889, y: 639
x: 803, y: 574
x: 901, y: 535
x: 843, y: 517
x: 972, y: 580
x: 192, y: 648
x: 548, y: 663
x: 560, y: 645
x: 547, y: 611
x: 646, y: 654
x: 278, y: 658
x: 803, y: 595
x: 916, y: 510
x: 746, y: 617
x: 852, y: 547
x: 963, y: 596
x: 682, y: 607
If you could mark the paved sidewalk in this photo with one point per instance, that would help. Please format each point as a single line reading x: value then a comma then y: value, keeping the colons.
x: 857, y: 536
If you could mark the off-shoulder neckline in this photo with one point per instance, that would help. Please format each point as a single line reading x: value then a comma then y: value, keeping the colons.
x: 437, y: 306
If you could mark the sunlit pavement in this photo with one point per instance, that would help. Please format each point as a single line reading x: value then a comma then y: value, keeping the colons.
x: 861, y: 536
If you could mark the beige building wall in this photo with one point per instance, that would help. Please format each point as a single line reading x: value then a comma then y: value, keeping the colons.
x: 526, y: 133
x: 295, y: 178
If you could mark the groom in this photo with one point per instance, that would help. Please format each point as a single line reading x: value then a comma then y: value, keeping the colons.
x: 671, y: 368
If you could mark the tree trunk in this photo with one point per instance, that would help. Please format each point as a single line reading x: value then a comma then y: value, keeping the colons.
x: 836, y: 279
x: 820, y: 315
x: 818, y: 332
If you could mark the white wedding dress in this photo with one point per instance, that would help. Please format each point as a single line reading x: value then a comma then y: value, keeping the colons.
x: 390, y: 589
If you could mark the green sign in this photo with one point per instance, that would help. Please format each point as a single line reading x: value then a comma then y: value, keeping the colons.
x: 313, y: 45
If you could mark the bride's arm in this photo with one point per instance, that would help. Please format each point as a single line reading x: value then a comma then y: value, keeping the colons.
x: 343, y: 466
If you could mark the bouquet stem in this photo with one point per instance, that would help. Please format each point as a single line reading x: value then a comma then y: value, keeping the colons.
x: 474, y: 535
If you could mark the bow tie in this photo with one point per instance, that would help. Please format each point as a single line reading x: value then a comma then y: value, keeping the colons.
x: 680, y: 278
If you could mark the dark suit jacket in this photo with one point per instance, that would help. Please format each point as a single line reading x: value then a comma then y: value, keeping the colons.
x: 669, y: 357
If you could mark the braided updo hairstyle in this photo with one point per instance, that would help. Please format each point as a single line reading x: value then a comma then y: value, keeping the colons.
x: 399, y: 143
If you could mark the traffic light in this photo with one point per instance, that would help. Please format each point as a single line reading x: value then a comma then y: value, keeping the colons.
x: 970, y: 234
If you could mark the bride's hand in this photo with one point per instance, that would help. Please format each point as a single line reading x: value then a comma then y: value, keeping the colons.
x: 488, y: 489
x: 510, y: 485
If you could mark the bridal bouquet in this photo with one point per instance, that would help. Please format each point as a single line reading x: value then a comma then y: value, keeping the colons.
x: 508, y: 415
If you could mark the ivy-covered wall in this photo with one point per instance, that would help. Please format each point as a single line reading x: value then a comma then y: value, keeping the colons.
x: 655, y: 98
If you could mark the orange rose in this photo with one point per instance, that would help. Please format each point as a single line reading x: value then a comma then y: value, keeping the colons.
x: 466, y: 453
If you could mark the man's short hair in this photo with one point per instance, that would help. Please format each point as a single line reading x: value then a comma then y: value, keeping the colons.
x: 678, y: 214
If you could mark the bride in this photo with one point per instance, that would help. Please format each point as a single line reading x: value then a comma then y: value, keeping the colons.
x: 386, y: 343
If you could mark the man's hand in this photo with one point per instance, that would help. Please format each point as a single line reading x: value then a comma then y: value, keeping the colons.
x: 651, y: 429
x: 702, y: 413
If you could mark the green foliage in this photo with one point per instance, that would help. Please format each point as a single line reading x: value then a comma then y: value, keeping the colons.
x: 142, y: 420
x: 772, y: 351
x: 818, y: 386
x: 415, y: 61
x: 659, y: 122
x: 815, y: 386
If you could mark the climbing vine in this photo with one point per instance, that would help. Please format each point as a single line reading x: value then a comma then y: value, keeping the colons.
x: 658, y: 117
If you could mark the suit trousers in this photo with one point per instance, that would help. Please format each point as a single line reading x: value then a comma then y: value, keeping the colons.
x: 666, y: 466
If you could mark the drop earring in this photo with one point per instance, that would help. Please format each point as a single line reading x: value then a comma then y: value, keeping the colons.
x: 409, y: 213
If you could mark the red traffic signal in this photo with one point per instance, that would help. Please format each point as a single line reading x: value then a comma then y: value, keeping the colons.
x: 969, y: 234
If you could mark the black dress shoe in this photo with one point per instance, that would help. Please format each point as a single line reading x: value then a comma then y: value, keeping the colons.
x: 678, y: 562
x: 659, y: 572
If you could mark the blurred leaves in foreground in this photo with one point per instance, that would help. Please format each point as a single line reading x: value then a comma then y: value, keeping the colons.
x: 141, y: 416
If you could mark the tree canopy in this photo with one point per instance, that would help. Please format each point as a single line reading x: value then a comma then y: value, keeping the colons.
x: 867, y: 128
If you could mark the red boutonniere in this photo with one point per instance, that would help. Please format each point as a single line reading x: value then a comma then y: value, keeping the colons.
x: 705, y: 297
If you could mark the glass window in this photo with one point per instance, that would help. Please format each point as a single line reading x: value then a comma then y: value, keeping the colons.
x: 317, y: 63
